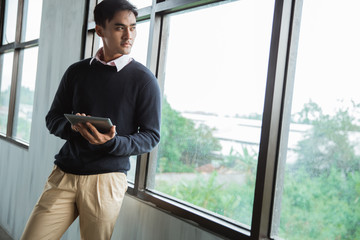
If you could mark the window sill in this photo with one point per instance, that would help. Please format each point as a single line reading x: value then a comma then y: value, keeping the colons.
x: 16, y: 142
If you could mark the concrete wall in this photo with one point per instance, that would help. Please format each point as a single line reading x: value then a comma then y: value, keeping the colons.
x: 23, y: 172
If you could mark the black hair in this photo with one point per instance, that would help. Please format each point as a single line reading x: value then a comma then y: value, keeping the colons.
x: 106, y: 10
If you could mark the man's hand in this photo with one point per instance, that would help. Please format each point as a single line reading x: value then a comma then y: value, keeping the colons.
x: 91, y: 134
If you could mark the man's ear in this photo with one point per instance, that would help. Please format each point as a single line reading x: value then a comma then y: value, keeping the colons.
x: 98, y: 30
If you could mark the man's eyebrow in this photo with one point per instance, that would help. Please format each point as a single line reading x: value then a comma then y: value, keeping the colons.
x: 121, y: 24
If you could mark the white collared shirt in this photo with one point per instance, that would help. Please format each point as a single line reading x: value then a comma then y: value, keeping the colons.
x: 119, y: 62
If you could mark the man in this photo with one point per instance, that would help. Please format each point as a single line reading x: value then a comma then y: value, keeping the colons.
x: 89, y: 175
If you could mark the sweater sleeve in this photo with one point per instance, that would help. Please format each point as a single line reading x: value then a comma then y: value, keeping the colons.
x: 62, y: 103
x: 148, y: 117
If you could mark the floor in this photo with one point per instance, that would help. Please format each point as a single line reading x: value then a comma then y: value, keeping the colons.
x: 4, y: 235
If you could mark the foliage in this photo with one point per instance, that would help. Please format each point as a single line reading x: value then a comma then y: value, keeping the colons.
x: 245, y: 162
x: 23, y: 124
x: 207, y: 191
x: 321, y: 192
x: 321, y: 207
x: 4, y: 97
x: 184, y: 145
x: 328, y: 145
x: 310, y: 112
x: 321, y: 198
x: 26, y: 96
x: 3, y: 121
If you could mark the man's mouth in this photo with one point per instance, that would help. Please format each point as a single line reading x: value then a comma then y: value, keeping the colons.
x: 126, y: 44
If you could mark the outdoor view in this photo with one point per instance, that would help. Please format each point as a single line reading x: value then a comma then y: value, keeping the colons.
x: 216, y: 67
x: 23, y: 113
x: 25, y: 95
x: 214, y: 92
x: 26, y: 72
x: 321, y: 187
x: 6, y: 61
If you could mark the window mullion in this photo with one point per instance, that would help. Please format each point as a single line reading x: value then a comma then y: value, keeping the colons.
x: 20, y: 12
x: 154, y: 40
x: 270, y: 133
x: 144, y: 161
x: 2, y: 17
x: 285, y: 128
x: 16, y: 64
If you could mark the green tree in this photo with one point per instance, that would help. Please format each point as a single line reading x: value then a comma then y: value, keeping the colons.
x: 184, y: 145
x: 310, y: 112
x: 227, y: 199
x: 4, y: 97
x: 322, y: 188
x: 328, y: 143
x: 27, y: 96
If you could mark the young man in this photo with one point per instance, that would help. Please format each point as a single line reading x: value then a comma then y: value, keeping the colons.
x: 89, y: 176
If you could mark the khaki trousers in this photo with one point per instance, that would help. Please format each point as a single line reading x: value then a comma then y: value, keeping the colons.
x: 96, y: 199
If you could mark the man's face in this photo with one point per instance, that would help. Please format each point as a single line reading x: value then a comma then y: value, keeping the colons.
x: 118, y: 35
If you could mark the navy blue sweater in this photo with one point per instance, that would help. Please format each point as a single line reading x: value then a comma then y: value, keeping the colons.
x: 130, y: 98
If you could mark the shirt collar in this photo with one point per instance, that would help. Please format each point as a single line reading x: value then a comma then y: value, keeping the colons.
x: 119, y: 62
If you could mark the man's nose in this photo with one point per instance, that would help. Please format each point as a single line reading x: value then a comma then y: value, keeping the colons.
x: 127, y: 34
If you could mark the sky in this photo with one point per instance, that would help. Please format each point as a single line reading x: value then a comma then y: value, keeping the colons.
x: 217, y: 57
x: 141, y: 3
x: 328, y: 57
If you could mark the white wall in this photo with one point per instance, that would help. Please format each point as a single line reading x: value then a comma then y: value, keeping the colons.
x: 23, y: 172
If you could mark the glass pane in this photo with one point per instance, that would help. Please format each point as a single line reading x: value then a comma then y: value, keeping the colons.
x: 32, y: 11
x: 214, y: 90
x: 131, y: 172
x: 321, y: 187
x: 25, y: 95
x: 6, y: 66
x: 141, y: 3
x: 10, y: 21
x: 139, y: 51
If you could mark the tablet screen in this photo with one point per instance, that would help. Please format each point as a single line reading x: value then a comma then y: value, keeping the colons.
x: 102, y: 124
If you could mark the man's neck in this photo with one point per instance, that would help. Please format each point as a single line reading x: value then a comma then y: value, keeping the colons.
x: 108, y: 57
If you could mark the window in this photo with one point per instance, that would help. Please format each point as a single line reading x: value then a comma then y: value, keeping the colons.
x: 141, y: 3
x: 251, y: 148
x: 214, y: 89
x: 18, y: 55
x: 318, y: 183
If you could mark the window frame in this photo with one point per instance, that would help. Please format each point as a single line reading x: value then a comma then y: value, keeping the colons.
x: 17, y: 46
x: 284, y: 33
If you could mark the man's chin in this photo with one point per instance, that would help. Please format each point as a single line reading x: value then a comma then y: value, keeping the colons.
x: 125, y: 50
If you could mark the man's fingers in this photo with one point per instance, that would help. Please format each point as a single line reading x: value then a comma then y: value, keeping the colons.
x: 91, y: 134
x: 73, y: 127
x: 84, y: 131
x: 112, y: 131
x: 92, y: 128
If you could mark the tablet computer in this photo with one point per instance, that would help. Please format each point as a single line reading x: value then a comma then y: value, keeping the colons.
x: 102, y: 124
